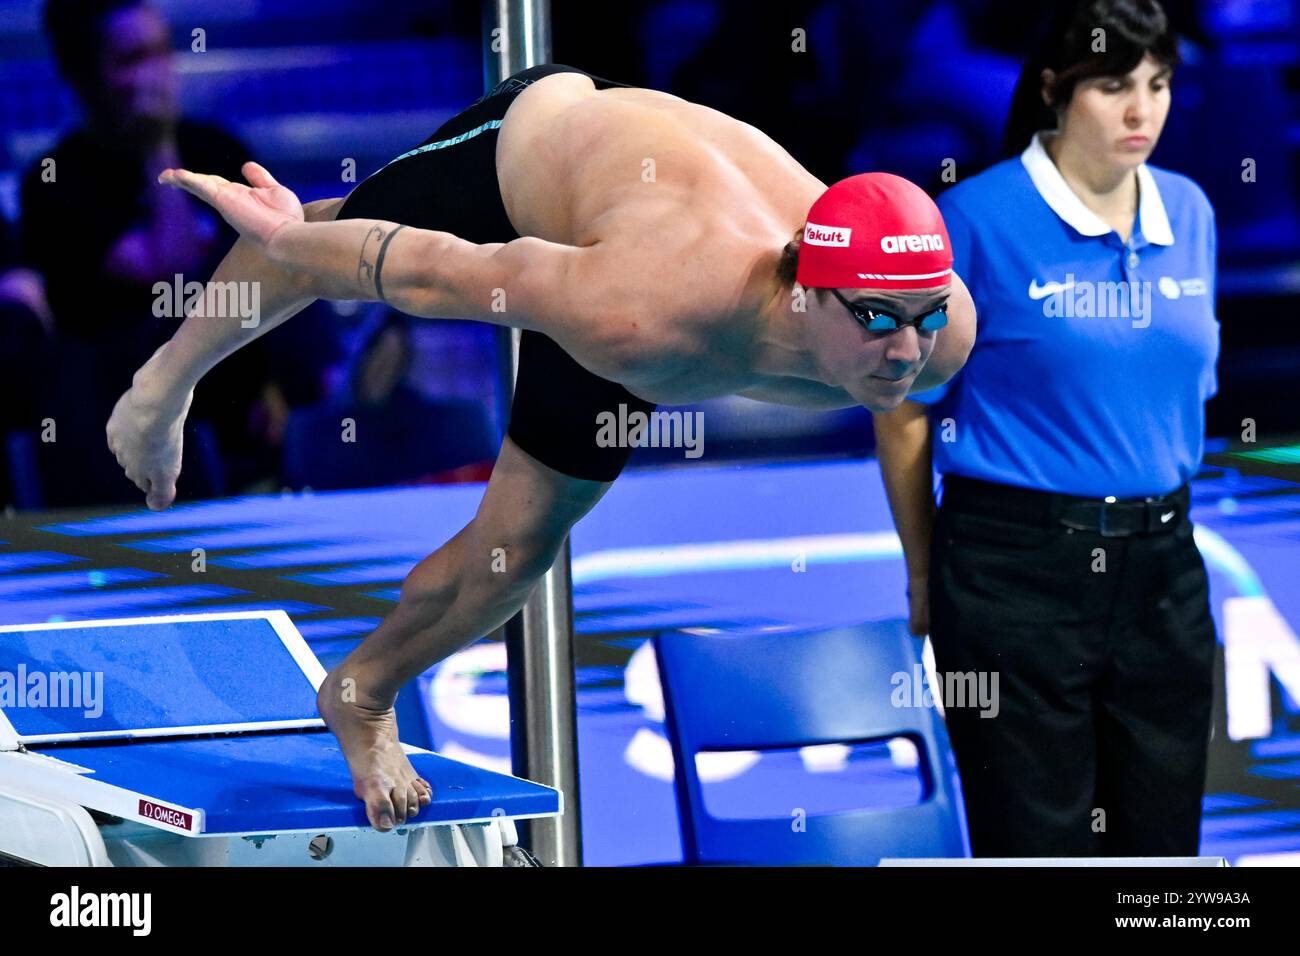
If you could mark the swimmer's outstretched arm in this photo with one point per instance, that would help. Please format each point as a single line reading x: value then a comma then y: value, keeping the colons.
x: 426, y: 273
x: 526, y: 283
x: 203, y: 340
x: 144, y: 431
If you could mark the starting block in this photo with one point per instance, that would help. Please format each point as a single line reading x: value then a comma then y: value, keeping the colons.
x: 193, y: 740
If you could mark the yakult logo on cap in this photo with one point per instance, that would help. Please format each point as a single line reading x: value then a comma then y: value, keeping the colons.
x: 816, y: 235
x: 913, y: 243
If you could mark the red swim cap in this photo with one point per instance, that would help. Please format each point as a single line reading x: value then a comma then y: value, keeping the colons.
x: 874, y: 230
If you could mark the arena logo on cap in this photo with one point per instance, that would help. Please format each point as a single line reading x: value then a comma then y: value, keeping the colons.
x: 816, y: 235
x: 912, y: 243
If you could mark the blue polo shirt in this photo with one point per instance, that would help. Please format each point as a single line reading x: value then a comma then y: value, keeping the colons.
x: 1093, y: 357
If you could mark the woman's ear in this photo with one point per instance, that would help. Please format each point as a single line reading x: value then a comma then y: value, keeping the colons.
x: 1049, y: 87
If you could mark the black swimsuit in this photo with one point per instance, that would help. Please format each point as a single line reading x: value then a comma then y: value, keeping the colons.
x: 449, y: 183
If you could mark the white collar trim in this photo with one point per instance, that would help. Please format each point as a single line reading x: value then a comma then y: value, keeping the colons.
x: 1056, y: 192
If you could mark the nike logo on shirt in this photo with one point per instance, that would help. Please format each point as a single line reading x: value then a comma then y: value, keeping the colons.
x: 1037, y: 291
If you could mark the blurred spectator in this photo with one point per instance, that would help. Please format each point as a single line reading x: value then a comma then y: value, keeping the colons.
x: 380, y: 430
x: 22, y: 290
x: 25, y: 324
x: 380, y: 369
x: 102, y: 233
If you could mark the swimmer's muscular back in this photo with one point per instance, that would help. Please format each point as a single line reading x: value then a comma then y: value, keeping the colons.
x: 685, y: 201
x: 569, y: 155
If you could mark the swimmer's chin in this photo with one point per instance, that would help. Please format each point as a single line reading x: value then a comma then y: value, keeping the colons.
x: 879, y: 406
x: 885, y: 395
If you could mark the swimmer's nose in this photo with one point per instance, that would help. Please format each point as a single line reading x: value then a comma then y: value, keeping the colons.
x: 903, y: 350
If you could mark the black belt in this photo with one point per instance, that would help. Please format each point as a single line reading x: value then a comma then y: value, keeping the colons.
x: 1110, y: 517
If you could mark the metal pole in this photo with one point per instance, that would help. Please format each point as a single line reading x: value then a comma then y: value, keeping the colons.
x: 539, y: 640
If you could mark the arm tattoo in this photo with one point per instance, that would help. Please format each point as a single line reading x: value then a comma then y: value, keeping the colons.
x: 374, y: 247
x: 366, y: 265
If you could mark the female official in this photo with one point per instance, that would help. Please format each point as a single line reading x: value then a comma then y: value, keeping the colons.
x: 1061, y: 561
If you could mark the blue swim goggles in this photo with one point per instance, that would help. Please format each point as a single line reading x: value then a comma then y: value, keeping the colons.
x: 874, y: 320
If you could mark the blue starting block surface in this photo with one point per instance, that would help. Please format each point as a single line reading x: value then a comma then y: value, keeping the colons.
x: 204, y: 725
x: 152, y: 677
x: 280, y: 782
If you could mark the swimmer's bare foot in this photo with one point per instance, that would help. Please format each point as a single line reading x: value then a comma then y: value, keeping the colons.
x: 145, y: 433
x: 382, y: 776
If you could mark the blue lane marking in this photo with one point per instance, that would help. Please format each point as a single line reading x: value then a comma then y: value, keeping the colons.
x: 377, y: 573
x: 22, y: 560
x: 1252, y: 823
x: 289, y: 607
x: 336, y: 627
x: 1280, y: 746
x: 328, y: 553
x: 19, y: 585
x: 1277, y: 771
x: 113, y: 603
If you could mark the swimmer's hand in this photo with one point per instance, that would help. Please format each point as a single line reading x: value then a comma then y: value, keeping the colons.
x: 145, y: 435
x: 255, y: 211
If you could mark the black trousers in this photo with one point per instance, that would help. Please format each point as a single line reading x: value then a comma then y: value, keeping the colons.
x: 1102, y: 650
